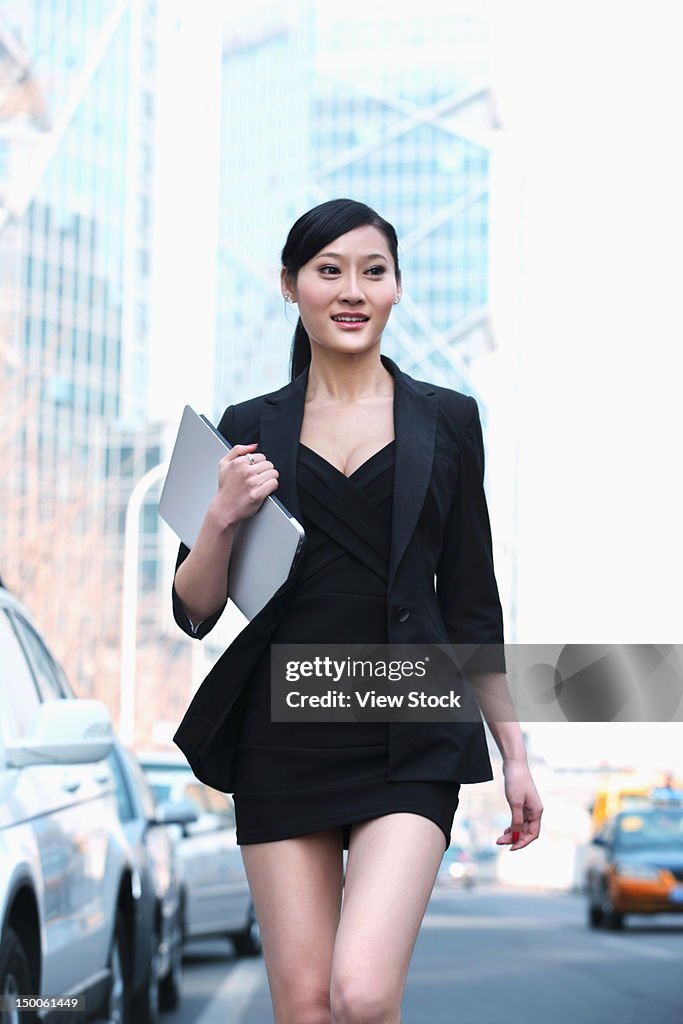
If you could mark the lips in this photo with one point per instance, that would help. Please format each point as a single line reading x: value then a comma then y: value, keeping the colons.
x: 350, y: 318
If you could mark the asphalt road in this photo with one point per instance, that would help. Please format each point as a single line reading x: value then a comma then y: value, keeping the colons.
x: 488, y: 956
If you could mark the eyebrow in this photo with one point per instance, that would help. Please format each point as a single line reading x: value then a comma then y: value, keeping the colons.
x: 338, y: 256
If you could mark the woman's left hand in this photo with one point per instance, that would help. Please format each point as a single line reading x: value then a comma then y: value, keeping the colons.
x: 525, y: 804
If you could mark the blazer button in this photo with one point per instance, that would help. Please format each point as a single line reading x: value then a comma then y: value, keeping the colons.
x: 402, y: 613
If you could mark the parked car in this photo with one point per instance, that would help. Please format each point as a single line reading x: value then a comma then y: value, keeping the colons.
x: 157, y: 941
x: 457, y: 867
x: 635, y: 865
x: 216, y: 895
x: 68, y: 881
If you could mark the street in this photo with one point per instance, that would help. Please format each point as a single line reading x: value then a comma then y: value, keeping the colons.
x: 488, y: 955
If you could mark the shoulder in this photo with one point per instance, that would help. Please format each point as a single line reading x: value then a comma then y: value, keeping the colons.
x: 456, y: 408
x: 242, y: 418
x: 458, y: 412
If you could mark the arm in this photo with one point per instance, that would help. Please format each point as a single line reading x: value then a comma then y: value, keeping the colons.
x: 200, y: 586
x: 466, y: 585
x: 470, y: 604
x: 493, y: 697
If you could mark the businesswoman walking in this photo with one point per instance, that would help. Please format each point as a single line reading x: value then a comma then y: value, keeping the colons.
x: 386, y: 474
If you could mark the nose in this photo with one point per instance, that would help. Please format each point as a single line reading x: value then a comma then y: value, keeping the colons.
x: 352, y: 291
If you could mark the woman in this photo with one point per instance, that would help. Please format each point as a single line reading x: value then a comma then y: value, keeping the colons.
x: 386, y: 474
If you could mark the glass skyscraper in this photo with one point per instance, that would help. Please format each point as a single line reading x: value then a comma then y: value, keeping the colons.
x: 76, y: 170
x: 266, y: 155
x: 396, y: 113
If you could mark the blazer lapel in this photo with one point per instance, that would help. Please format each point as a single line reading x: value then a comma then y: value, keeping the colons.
x: 415, y: 414
x: 279, y: 431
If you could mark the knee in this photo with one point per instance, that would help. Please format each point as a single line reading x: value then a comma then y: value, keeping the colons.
x: 358, y: 998
x: 303, y: 1009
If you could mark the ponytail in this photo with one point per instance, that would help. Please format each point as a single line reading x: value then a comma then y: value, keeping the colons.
x: 300, y: 356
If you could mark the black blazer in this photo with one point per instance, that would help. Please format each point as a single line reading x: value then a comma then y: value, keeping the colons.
x: 441, y: 584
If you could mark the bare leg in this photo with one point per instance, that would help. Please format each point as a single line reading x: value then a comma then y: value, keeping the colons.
x: 392, y: 865
x: 296, y: 885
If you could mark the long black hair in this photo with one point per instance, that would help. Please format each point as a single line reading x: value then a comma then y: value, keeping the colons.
x: 311, y: 233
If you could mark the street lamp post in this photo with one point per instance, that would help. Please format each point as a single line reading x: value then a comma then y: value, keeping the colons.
x: 129, y: 609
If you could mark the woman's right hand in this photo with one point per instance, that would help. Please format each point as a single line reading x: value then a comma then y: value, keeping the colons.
x: 243, y: 485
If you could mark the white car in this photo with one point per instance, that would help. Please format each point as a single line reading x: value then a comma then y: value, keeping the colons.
x: 216, y: 895
x: 68, y: 885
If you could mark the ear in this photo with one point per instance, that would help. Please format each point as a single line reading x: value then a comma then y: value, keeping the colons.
x: 287, y: 286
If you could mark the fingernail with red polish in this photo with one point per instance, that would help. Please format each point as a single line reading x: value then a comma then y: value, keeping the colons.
x: 515, y: 837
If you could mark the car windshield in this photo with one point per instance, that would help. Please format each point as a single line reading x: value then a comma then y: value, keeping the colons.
x: 160, y: 791
x: 651, y: 828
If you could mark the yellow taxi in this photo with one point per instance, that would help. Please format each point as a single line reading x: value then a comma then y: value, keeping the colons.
x: 635, y: 865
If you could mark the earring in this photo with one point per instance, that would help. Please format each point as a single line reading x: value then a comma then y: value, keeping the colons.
x: 288, y: 298
x: 397, y: 300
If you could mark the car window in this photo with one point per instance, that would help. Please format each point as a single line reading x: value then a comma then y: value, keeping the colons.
x: 220, y: 804
x: 123, y: 798
x: 161, y: 792
x: 657, y: 828
x: 144, y: 791
x: 19, y: 698
x: 195, y: 792
x: 47, y: 675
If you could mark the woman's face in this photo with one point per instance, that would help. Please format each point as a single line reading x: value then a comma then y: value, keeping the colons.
x: 345, y: 293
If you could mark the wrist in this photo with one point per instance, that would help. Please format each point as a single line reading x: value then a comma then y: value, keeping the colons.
x: 222, y: 519
x: 515, y: 761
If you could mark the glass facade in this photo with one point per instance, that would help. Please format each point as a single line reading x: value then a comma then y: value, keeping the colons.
x: 396, y: 113
x: 76, y: 159
x: 267, y: 81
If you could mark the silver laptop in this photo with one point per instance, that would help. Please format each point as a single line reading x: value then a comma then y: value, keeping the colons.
x: 266, y: 545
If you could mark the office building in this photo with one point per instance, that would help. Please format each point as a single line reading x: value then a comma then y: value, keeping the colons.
x: 76, y: 206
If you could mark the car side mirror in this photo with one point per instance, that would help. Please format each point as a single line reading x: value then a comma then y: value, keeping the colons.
x: 204, y: 824
x: 175, y: 812
x: 64, y: 732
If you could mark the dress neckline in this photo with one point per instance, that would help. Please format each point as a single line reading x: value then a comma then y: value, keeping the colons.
x: 336, y: 469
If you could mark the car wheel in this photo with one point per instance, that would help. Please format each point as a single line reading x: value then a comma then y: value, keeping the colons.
x: 146, y: 1002
x: 248, y: 941
x: 171, y: 985
x: 612, y: 919
x: 15, y: 978
x: 118, y: 1006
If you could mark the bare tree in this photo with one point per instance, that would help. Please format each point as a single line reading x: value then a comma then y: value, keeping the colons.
x: 59, y: 557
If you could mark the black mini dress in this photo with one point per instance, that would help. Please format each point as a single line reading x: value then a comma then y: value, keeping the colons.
x: 295, y: 778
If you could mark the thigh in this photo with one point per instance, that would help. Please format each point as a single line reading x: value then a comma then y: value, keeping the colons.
x: 390, y: 873
x: 296, y: 885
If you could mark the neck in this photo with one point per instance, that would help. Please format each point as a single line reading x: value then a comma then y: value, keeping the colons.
x: 344, y: 377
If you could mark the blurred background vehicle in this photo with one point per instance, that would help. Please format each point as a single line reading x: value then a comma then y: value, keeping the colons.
x: 216, y: 899
x: 635, y: 865
x: 68, y: 883
x: 457, y: 867
x: 158, y: 936
x: 630, y: 790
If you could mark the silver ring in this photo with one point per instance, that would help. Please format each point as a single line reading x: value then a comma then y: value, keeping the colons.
x: 251, y: 458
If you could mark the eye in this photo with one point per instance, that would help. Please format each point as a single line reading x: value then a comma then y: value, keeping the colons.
x: 328, y: 269
x: 375, y: 271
